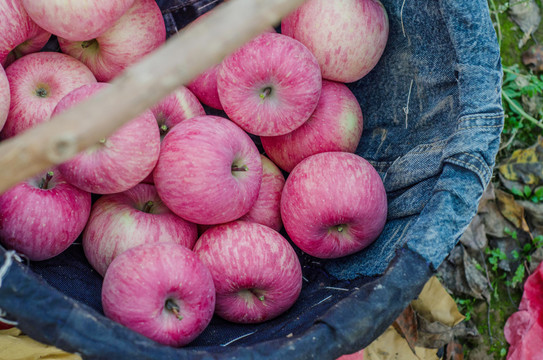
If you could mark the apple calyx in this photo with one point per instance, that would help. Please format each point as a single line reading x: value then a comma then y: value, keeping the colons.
x: 42, y: 90
x: 93, y: 43
x: 265, y: 93
x: 148, y: 207
x: 44, y: 183
x: 339, y: 228
x: 172, y: 306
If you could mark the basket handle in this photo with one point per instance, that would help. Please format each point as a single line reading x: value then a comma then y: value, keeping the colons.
x: 184, y: 56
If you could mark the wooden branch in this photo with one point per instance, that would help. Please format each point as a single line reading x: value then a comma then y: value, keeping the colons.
x: 176, y: 63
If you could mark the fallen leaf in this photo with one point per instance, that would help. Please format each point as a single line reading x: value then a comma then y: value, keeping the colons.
x: 15, y: 345
x: 525, y: 165
x: 511, y: 210
x: 435, y: 304
x: 435, y: 335
x: 533, y: 58
x: 536, y: 259
x: 391, y: 346
x: 494, y: 221
x: 534, y: 213
x: 488, y: 195
x: 474, y: 237
x: 454, y: 351
x: 525, y: 13
x: 477, y: 281
x: 406, y: 326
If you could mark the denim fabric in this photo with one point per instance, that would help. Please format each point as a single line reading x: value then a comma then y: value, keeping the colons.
x: 432, y: 123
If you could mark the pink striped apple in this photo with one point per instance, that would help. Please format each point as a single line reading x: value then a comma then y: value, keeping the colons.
x: 4, y: 97
x: 267, y: 208
x: 20, y: 35
x: 256, y: 272
x: 162, y: 291
x: 42, y: 216
x: 204, y: 86
x: 335, y: 125
x: 209, y: 170
x: 76, y: 20
x: 333, y: 204
x: 180, y: 105
x: 124, y: 220
x: 118, y: 162
x: 348, y: 37
x: 38, y: 81
x: 270, y: 86
x: 137, y: 33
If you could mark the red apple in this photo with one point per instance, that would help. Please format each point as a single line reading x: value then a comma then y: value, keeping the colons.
x: 335, y: 125
x: 118, y: 162
x: 270, y: 86
x: 38, y: 81
x: 20, y: 35
x: 267, y: 208
x: 333, y: 204
x: 42, y: 216
x: 162, y: 291
x: 347, y: 37
x: 4, y: 97
x: 209, y: 170
x: 180, y: 105
x: 137, y: 33
x: 124, y: 220
x: 76, y: 20
x: 256, y: 272
x: 204, y: 87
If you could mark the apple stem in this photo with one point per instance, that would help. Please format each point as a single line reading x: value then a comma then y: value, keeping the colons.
x: 45, y: 181
x: 239, y: 168
x: 148, y: 207
x: 265, y: 92
x: 173, y: 307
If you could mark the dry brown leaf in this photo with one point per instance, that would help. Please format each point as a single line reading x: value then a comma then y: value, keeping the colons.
x: 391, y: 346
x: 494, y: 221
x: 454, y: 351
x: 511, y: 210
x: 474, y: 237
x: 533, y: 58
x: 14, y: 345
x: 525, y: 13
x: 406, y: 326
x: 435, y: 304
x: 488, y: 195
x: 435, y: 335
x: 477, y: 281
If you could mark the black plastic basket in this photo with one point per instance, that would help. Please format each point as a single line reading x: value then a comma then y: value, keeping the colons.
x: 432, y: 124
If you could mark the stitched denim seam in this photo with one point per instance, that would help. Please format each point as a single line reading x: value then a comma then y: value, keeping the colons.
x: 478, y: 159
x: 480, y: 127
x: 469, y: 166
x: 487, y: 116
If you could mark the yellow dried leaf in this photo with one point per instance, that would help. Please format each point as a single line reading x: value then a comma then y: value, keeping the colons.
x: 391, y: 346
x: 525, y: 165
x: 512, y: 210
x: 435, y: 304
x: 16, y: 346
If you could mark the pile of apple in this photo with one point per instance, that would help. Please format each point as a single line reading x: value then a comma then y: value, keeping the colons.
x: 189, y: 210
